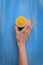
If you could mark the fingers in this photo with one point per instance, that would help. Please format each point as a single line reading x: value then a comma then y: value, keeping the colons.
x: 28, y: 23
x: 16, y: 28
x: 23, y: 30
x: 28, y: 26
x: 28, y: 30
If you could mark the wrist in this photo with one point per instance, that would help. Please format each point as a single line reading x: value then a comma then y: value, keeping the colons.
x: 22, y: 47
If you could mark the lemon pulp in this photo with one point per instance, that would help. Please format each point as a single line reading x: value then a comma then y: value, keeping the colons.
x: 20, y: 21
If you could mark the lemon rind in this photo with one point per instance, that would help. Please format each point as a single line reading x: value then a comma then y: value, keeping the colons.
x: 24, y: 19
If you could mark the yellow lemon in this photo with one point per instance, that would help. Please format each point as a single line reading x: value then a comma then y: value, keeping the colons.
x: 20, y: 21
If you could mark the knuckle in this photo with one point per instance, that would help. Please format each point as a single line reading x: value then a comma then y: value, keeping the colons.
x: 30, y: 28
x: 23, y: 31
x: 27, y: 32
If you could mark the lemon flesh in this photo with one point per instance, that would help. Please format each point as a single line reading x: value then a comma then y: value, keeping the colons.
x: 20, y: 21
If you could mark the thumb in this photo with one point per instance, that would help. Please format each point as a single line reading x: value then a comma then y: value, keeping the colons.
x: 16, y: 28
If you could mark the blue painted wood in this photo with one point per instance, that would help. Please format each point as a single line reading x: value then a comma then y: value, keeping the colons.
x: 9, y: 11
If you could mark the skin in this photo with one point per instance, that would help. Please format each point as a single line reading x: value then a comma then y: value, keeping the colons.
x: 21, y: 37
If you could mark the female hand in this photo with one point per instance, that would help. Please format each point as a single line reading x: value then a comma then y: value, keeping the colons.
x: 22, y: 35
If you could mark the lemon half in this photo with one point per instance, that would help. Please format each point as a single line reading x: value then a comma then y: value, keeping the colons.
x: 21, y: 21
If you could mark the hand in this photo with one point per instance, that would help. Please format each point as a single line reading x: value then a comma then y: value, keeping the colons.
x: 22, y: 35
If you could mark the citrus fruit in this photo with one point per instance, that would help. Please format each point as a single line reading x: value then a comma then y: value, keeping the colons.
x: 20, y: 21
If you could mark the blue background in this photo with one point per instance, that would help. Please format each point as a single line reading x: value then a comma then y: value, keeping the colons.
x: 9, y: 11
